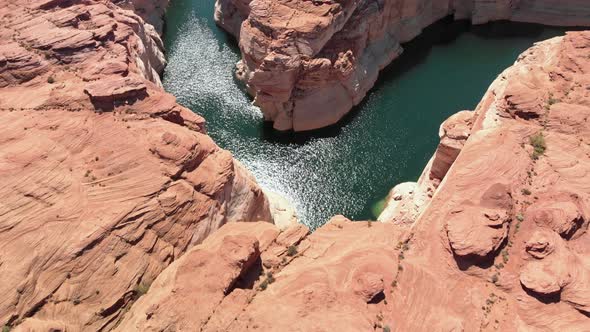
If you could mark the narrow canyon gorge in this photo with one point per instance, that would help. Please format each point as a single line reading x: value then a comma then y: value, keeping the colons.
x: 308, y: 63
x: 120, y: 213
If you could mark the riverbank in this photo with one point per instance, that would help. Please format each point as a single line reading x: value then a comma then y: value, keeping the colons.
x: 349, y: 168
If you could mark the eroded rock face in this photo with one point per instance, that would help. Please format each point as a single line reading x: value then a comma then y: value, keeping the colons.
x: 210, y: 285
x: 453, y: 134
x: 307, y: 63
x: 152, y: 11
x: 407, y: 201
x: 105, y: 179
x: 556, y: 271
x: 562, y: 212
x: 479, y: 229
x: 499, y: 246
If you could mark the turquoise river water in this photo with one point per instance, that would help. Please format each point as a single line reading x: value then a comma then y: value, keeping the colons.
x: 347, y: 169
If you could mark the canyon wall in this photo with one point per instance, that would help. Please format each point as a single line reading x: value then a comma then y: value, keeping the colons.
x: 307, y: 63
x: 502, y: 245
x: 106, y: 180
x: 151, y: 11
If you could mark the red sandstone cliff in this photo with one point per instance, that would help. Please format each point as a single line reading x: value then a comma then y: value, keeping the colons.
x: 109, y: 187
x: 502, y: 244
x: 105, y: 180
x: 307, y: 63
x: 151, y: 11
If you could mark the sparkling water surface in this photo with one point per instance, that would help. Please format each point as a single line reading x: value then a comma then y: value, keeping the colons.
x: 349, y: 168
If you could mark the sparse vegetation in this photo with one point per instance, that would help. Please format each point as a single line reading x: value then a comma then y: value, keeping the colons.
x: 505, y: 256
x: 519, y: 217
x: 50, y: 80
x: 291, y: 251
x: 526, y: 192
x: 490, y: 301
x: 386, y: 328
x: 141, y: 289
x: 402, y: 246
x: 495, y: 278
x: 5, y: 328
x: 552, y: 101
x: 269, y: 280
x: 539, y: 145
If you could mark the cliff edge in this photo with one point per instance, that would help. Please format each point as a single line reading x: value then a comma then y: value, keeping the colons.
x: 106, y: 180
x: 501, y: 244
x: 307, y: 63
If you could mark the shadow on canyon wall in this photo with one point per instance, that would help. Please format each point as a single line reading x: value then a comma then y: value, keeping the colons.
x: 444, y: 32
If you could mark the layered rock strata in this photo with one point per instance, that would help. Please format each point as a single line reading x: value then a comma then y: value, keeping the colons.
x: 106, y: 180
x: 152, y: 11
x: 307, y: 63
x: 502, y: 245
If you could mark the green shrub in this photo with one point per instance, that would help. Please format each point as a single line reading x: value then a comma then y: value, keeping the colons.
x: 50, y: 80
x: 5, y: 328
x: 519, y: 217
x: 553, y: 101
x: 269, y: 280
x: 526, y: 192
x: 141, y: 289
x: 386, y: 328
x: 291, y: 251
x: 505, y: 256
x: 495, y: 278
x: 539, y: 145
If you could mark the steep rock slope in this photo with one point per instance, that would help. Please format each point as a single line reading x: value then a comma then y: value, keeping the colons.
x: 502, y: 245
x: 307, y: 63
x: 105, y: 180
x: 152, y: 11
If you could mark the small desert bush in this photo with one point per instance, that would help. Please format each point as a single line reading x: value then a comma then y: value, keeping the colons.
x: 539, y: 145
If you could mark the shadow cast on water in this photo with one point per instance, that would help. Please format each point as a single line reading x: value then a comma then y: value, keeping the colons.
x: 442, y: 33
x: 415, y: 53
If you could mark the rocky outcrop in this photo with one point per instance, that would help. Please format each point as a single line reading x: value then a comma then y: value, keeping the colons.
x: 501, y: 244
x: 219, y: 277
x: 151, y: 11
x: 553, y: 270
x: 106, y: 180
x: 307, y: 63
x: 407, y: 201
x: 231, y: 14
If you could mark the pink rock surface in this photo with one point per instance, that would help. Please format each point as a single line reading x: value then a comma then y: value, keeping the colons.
x: 97, y: 204
x: 97, y: 207
x: 307, y: 63
x: 499, y: 246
